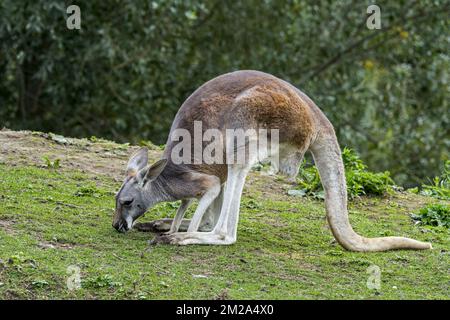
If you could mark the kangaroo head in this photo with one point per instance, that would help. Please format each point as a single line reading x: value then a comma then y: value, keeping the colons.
x: 137, y: 193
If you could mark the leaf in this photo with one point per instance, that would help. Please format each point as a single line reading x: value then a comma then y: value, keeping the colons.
x: 297, y: 193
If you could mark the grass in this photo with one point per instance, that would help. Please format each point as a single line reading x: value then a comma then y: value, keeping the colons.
x: 54, y: 221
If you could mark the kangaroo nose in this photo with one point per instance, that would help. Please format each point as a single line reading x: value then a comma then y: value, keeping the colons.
x: 116, y: 225
x: 119, y: 226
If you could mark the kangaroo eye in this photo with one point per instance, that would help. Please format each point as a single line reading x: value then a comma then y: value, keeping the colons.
x: 126, y: 202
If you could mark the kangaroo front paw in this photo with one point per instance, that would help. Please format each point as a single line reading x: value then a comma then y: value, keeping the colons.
x: 156, y: 226
x: 144, y: 227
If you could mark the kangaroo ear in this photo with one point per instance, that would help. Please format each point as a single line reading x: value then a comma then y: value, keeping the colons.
x: 151, y: 173
x: 137, y: 161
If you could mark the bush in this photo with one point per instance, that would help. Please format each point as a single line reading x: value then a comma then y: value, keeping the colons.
x: 436, y: 215
x: 360, y: 181
x: 439, y: 187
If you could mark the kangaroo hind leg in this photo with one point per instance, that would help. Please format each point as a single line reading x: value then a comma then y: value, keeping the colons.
x: 290, y: 162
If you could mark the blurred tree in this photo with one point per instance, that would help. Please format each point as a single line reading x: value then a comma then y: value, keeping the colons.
x: 126, y: 72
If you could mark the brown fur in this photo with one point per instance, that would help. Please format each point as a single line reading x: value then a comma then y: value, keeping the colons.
x: 244, y: 99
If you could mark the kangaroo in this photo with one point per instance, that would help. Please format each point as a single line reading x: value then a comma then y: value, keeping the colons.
x: 242, y: 99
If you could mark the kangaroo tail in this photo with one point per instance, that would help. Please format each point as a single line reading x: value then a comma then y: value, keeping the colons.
x: 328, y: 159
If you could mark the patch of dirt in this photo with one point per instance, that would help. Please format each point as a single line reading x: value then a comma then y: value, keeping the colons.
x: 410, y: 202
x: 13, y: 295
x: 54, y: 245
x: 223, y: 295
x: 95, y: 158
x: 6, y: 225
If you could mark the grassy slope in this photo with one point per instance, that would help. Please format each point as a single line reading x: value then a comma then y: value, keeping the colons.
x: 53, y: 218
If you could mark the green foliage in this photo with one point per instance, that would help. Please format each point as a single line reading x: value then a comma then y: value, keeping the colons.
x: 51, y: 164
x: 352, y: 161
x: 360, y: 181
x: 151, y: 146
x: 437, y: 215
x: 251, y: 204
x: 89, y: 191
x: 39, y: 283
x: 368, y: 183
x: 440, y: 186
x: 310, y: 182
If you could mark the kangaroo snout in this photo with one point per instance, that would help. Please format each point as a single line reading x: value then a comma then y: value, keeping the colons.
x: 120, y: 225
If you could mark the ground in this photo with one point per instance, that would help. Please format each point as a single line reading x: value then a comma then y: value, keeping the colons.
x: 55, y: 224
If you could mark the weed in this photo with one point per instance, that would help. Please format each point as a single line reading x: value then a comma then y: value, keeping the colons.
x: 360, y: 181
x: 439, y: 187
x: 436, y: 215
x: 39, y: 283
x: 251, y: 204
x: 150, y: 145
x: 51, y: 164
x: 88, y: 191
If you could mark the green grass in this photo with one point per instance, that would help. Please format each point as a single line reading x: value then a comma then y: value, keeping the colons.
x: 51, y: 219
